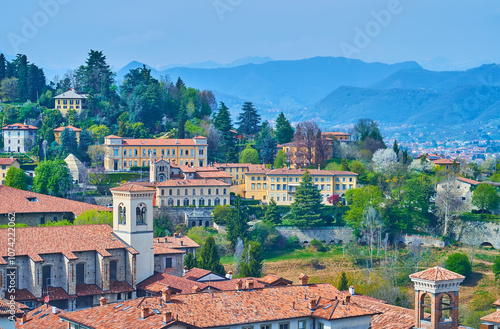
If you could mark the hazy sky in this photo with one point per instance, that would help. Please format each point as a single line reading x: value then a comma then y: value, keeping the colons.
x: 59, y: 33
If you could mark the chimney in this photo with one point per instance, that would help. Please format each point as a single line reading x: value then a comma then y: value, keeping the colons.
x: 239, y: 284
x: 144, y: 312
x: 195, y: 289
x: 351, y: 290
x: 249, y: 284
x: 303, y: 279
x: 24, y: 318
x: 185, y: 269
x: 103, y: 301
x: 312, y: 303
x: 319, y: 167
x: 182, y: 243
x: 176, y: 235
x: 54, y: 310
x: 229, y: 275
x: 347, y: 299
x: 167, y: 317
x: 166, y: 295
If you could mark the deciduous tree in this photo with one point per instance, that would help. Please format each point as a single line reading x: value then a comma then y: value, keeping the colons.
x: 485, y: 197
x: 16, y: 177
x: 249, y: 155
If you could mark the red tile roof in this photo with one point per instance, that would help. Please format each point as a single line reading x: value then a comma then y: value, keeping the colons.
x: 258, y: 171
x: 442, y: 161
x: 35, y: 241
x: 226, y: 308
x: 272, y: 280
x: 19, y: 126
x: 335, y: 133
x: 88, y: 289
x: 69, y: 127
x: 131, y: 187
x: 232, y: 284
x: 5, y: 307
x: 13, y: 200
x: 468, y: 181
x: 212, y: 174
x: 156, y: 283
x: 157, y: 142
x: 42, y: 317
x: 315, y: 172
x: 390, y: 316
x: 116, y: 287
x: 497, y: 302
x: 21, y: 294
x: 54, y: 293
x: 162, y: 249
x: 493, y: 317
x: 192, y: 182
x: 7, y: 161
x: 179, y: 242
x: 196, y: 273
x: 436, y: 273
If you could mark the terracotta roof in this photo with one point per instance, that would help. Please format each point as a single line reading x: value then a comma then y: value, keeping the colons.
x: 335, y: 133
x: 272, y: 279
x: 88, y: 289
x: 192, y: 182
x: 132, y: 187
x: 71, y: 94
x: 159, y: 281
x: 437, y: 273
x: 493, y: 317
x: 21, y: 294
x: 225, y: 308
x: 389, y: 316
x: 19, y: 126
x: 162, y: 249
x: 213, y: 174
x: 7, y: 161
x: 497, y: 302
x: 442, y: 161
x: 5, y: 307
x: 177, y: 242
x: 468, y: 181
x: 232, y: 165
x: 42, y: 317
x: 13, y: 200
x: 312, y: 172
x: 200, y: 137
x: 232, y: 284
x: 35, y: 241
x: 112, y: 137
x: 258, y: 171
x: 54, y: 293
x: 196, y: 273
x: 116, y: 287
x: 69, y: 127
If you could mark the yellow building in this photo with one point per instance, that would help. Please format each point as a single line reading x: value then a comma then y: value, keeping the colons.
x: 70, y: 100
x: 58, y: 132
x: 340, y: 136
x: 238, y: 170
x: 5, y: 165
x: 281, y: 184
x: 294, y: 157
x: 123, y: 153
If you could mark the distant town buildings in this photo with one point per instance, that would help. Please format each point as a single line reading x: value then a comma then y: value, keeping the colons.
x: 58, y: 132
x: 70, y: 100
x: 19, y: 138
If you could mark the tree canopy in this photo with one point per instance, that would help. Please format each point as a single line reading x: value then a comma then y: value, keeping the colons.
x: 16, y: 178
x: 248, y: 120
x: 208, y: 257
x: 485, y: 197
x: 306, y: 207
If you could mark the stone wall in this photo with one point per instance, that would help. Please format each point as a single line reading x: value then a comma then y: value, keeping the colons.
x: 325, y: 234
x: 427, y: 241
x: 477, y: 233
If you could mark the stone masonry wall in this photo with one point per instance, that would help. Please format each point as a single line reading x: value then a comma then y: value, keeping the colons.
x: 325, y: 234
x: 477, y: 232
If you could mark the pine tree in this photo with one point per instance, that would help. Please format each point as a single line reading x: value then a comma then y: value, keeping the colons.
x: 343, y: 165
x: 68, y: 141
x: 395, y: 148
x: 272, y: 215
x: 181, y: 129
x: 209, y: 259
x: 284, y: 130
x: 344, y: 283
x: 306, y: 208
x: 248, y: 120
x: 266, y: 144
x: 222, y: 122
x: 250, y: 263
x: 237, y: 226
x: 190, y: 261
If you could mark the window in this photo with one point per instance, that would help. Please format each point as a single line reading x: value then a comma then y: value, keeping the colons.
x: 284, y: 187
x: 258, y: 178
x: 328, y: 179
x: 209, y: 191
x: 343, y: 179
x: 201, y: 191
x: 47, y: 276
x: 321, y: 325
x: 272, y: 179
x: 301, y: 325
x: 194, y: 191
x: 80, y: 273
x: 278, y: 198
x: 272, y: 187
x: 285, y: 325
x: 253, y: 186
x: 350, y: 179
x: 140, y: 213
x: 258, y: 186
x: 224, y: 191
x: 322, y: 179
x: 253, y: 177
x: 264, y: 186
x: 277, y: 179
x: 122, y: 213
x: 328, y: 187
x: 162, y: 192
x: 278, y: 187
x: 322, y: 187
x: 337, y: 179
x: 337, y: 186
x: 168, y: 262
x: 237, y: 177
x: 344, y: 186
x: 173, y: 152
x: 350, y: 186
x: 182, y: 153
x: 316, y: 179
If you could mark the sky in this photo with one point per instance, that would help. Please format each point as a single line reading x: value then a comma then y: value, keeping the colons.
x: 440, y: 35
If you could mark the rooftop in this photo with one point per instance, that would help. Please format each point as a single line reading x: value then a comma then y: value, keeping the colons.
x: 177, y: 242
x: 154, y: 142
x: 43, y: 317
x: 19, y: 126
x: 313, y: 172
x: 35, y: 241
x: 70, y: 127
x: 437, y: 273
x: 13, y: 200
x: 131, y: 187
x: 159, y: 281
x: 71, y: 94
x: 468, y: 181
x: 7, y: 161
x: 192, y: 182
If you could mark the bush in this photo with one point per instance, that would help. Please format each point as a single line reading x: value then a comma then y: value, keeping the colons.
x: 459, y: 263
x: 496, y: 267
x: 319, y: 245
x: 292, y: 241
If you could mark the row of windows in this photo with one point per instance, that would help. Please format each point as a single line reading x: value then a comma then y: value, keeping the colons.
x: 258, y: 178
x: 167, y: 152
x: 187, y: 162
x: 237, y: 169
x: 344, y: 186
x: 343, y: 179
x: 187, y: 203
x: 282, y: 187
x: 186, y: 191
x: 71, y: 107
x: 264, y: 186
x: 65, y: 101
x: 140, y: 214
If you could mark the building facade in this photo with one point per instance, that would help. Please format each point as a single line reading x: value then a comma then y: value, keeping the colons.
x: 70, y: 100
x: 281, y: 184
x: 19, y: 138
x: 58, y: 132
x: 5, y: 165
x: 192, y: 192
x: 124, y: 153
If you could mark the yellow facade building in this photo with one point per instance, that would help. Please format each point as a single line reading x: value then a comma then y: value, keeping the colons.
x: 5, y: 165
x: 123, y: 153
x: 281, y: 184
x: 58, y: 132
x: 70, y: 100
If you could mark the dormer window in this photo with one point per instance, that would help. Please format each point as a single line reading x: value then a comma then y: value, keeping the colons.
x: 32, y: 199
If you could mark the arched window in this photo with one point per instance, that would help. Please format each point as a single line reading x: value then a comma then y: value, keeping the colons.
x: 185, y: 191
x: 224, y: 191
x: 170, y: 192
x: 162, y: 192
x: 194, y: 202
x: 224, y: 201
x: 162, y: 177
x: 216, y: 191
x: 201, y: 191
x: 209, y: 191
x: 209, y: 202
x: 170, y: 202
x: 178, y: 203
x: 445, y: 307
x: 122, y: 214
x: 425, y: 304
x: 201, y: 202
x: 186, y: 202
x: 140, y: 213
x: 194, y: 191
x: 217, y: 202
x: 178, y: 192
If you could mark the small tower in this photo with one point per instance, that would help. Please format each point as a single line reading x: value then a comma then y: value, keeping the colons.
x: 133, y: 223
x: 436, y: 293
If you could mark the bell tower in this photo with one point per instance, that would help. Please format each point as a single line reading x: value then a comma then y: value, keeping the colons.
x: 133, y: 223
x: 436, y: 298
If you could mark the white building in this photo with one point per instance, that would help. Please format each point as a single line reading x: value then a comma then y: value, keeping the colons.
x: 19, y: 138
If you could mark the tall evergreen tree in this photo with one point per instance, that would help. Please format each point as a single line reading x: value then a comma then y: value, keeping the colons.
x: 222, y: 122
x: 272, y: 215
x: 68, y: 141
x: 248, y: 120
x: 237, y: 226
x: 190, y: 261
x: 306, y: 207
x: 284, y: 130
x: 21, y: 73
x: 344, y: 166
x: 250, y: 263
x: 208, y: 257
x: 181, y: 129
x: 344, y: 283
x: 3, y: 67
x: 266, y: 144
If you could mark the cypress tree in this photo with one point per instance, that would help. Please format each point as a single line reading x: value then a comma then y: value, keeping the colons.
x: 237, y: 226
x: 266, y: 144
x: 222, y: 122
x: 343, y: 284
x: 250, y: 263
x: 190, y: 261
x: 306, y: 207
x: 209, y: 259
x: 3, y: 68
